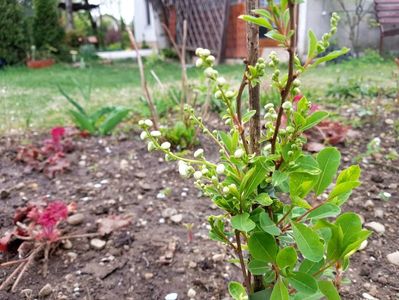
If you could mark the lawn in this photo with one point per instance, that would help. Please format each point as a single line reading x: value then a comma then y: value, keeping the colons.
x: 30, y: 98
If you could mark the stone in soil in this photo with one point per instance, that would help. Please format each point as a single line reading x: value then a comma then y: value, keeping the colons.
x: 75, y: 219
x: 191, y: 293
x: 377, y: 227
x: 45, y: 291
x: 98, y: 244
x: 171, y: 296
x: 176, y: 218
x: 393, y: 258
x: 168, y: 212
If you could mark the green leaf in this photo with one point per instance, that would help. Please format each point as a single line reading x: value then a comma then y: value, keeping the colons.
x: 308, y: 242
x: 306, y: 164
x: 237, y: 291
x: 113, y: 120
x: 279, y: 178
x: 303, y: 283
x: 280, y: 291
x: 82, y: 121
x: 311, y: 267
x: 263, y: 199
x: 275, y: 35
x: 299, y: 120
x: 261, y: 295
x: 263, y: 247
x: 263, y: 12
x: 227, y: 141
x: 253, y: 178
x: 257, y: 20
x: 312, y: 46
x: 257, y: 267
x: 324, y: 211
x: 329, y: 290
x: 331, y: 56
x: 267, y: 224
x: 242, y: 222
x: 286, y: 257
x: 349, y: 174
x: 314, y: 119
x: 329, y: 159
x: 72, y: 101
x: 343, y: 188
x: 248, y: 115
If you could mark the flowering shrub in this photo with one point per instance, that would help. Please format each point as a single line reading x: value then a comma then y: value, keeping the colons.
x: 280, y: 216
x: 50, y: 158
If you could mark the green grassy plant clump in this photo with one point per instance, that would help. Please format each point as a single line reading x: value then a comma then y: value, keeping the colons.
x: 281, y: 206
x: 100, y: 122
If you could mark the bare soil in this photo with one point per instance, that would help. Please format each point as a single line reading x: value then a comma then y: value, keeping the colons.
x: 154, y: 256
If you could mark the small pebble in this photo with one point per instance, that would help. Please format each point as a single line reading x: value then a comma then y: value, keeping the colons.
x: 75, y: 219
x: 368, y: 297
x: 171, y: 296
x: 176, y: 218
x: 191, y: 293
x: 45, y: 291
x: 97, y: 244
x: 393, y: 258
x: 377, y: 227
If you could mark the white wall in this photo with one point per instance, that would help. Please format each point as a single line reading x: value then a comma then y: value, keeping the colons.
x: 315, y: 14
x: 153, y: 34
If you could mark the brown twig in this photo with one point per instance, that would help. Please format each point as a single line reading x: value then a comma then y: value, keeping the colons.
x: 241, y: 127
x: 291, y: 76
x: 144, y: 86
x: 242, y: 262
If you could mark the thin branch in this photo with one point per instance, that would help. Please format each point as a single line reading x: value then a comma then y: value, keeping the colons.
x: 242, y: 262
x: 241, y: 128
x: 291, y: 76
x: 144, y: 86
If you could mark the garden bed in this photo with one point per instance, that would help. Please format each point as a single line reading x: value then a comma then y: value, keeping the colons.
x: 154, y: 256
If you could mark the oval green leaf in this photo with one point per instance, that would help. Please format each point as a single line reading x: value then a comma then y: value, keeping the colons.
x: 263, y: 247
x: 308, y: 242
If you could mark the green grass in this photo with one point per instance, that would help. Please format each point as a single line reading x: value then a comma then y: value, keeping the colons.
x: 30, y: 98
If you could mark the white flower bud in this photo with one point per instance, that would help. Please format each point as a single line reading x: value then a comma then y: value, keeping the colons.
x: 287, y: 105
x: 239, y: 153
x: 165, y: 146
x: 197, y: 175
x: 150, y: 146
x: 269, y: 106
x: 290, y: 129
x: 198, y: 51
x: 199, y: 63
x: 205, y: 171
x: 210, y: 59
x: 230, y: 94
x: 268, y: 147
x: 199, y: 153
x: 155, y: 133
x: 221, y: 81
x: 209, y: 72
x: 220, y: 168
x: 184, y: 169
x: 226, y: 190
x: 205, y: 52
x: 141, y: 122
x: 148, y: 123
x: 143, y: 135
x: 218, y: 95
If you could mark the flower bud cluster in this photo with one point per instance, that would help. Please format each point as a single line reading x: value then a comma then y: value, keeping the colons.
x: 325, y: 41
x: 274, y: 60
x: 205, y: 59
x: 254, y: 73
x: 270, y: 118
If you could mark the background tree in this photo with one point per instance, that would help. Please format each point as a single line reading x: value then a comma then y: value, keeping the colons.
x: 47, y: 29
x: 13, y: 42
x: 354, y: 12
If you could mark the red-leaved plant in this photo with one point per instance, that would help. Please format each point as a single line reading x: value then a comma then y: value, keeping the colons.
x: 49, y: 158
x: 35, y: 232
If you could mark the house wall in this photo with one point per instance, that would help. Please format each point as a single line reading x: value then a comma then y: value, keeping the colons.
x: 151, y: 33
x: 315, y: 14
